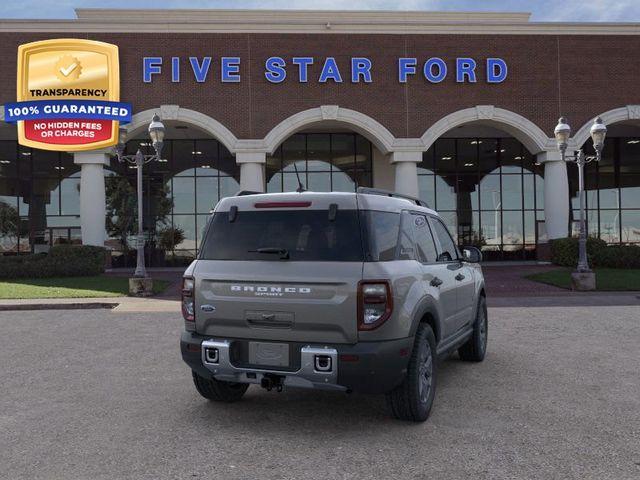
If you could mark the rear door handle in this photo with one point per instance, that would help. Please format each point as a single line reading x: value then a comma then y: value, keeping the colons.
x: 436, y: 282
x: 460, y: 277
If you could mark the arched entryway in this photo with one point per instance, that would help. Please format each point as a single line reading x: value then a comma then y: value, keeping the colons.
x: 332, y: 148
x: 482, y: 174
x: 326, y: 160
x: 613, y: 185
x: 179, y: 191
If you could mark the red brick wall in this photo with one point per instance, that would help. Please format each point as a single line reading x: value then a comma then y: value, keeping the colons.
x: 578, y: 76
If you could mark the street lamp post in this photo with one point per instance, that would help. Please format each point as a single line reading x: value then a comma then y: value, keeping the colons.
x: 156, y: 133
x: 562, y: 133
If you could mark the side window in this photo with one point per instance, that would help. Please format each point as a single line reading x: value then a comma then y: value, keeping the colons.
x: 406, y: 248
x: 383, y: 230
x: 449, y: 251
x: 424, y: 240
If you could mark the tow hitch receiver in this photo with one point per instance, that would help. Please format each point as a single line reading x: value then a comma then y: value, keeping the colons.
x: 270, y: 381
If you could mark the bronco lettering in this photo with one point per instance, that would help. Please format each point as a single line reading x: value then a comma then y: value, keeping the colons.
x: 275, y: 290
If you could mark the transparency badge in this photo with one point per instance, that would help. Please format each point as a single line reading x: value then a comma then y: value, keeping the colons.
x: 68, y: 95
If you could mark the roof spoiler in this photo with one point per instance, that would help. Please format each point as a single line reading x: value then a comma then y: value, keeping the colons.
x: 388, y: 193
x: 242, y: 193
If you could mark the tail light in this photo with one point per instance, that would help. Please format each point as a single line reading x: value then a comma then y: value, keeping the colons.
x: 188, y: 306
x: 375, y: 303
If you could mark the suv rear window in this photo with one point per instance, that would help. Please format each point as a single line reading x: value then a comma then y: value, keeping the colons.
x: 307, y: 235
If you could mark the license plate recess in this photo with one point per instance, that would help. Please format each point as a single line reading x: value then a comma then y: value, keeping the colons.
x: 269, y: 354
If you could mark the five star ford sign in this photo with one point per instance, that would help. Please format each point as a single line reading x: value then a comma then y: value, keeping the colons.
x: 68, y: 95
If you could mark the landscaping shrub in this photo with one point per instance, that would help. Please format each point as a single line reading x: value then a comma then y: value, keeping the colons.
x: 618, y: 256
x: 61, y: 261
x: 564, y: 252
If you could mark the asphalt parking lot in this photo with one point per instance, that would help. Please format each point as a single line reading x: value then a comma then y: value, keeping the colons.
x: 98, y: 394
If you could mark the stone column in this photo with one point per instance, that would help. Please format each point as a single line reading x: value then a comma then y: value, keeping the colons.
x: 406, y: 169
x: 556, y: 194
x: 93, y: 208
x: 251, y: 170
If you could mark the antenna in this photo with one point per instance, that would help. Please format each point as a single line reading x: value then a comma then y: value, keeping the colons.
x: 300, y: 188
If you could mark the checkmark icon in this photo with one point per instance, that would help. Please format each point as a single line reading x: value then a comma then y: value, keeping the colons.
x: 66, y: 71
x: 68, y: 68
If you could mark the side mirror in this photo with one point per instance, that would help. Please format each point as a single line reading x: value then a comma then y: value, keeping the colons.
x: 471, y: 254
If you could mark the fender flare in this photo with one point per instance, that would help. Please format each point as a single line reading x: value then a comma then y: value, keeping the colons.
x: 427, y: 306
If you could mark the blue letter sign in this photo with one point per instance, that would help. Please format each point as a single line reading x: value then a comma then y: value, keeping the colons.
x: 200, y: 71
x: 441, y: 67
x: 275, y: 69
x: 303, y: 64
x: 323, y: 70
x: 331, y: 71
x: 360, y: 67
x: 496, y: 70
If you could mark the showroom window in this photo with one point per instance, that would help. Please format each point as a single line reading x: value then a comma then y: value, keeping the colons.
x: 488, y: 191
x: 325, y: 162
x: 612, y: 189
x: 179, y: 193
x: 39, y: 199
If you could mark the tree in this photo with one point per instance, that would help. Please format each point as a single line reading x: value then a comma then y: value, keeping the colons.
x: 122, y: 208
x: 169, y: 237
x: 9, y: 221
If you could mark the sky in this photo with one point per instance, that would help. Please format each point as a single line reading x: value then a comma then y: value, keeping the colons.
x: 542, y: 10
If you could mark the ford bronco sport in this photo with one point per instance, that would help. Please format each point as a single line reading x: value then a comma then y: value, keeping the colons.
x: 343, y: 291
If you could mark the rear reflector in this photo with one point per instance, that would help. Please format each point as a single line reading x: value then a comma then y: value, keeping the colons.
x: 349, y: 358
x: 282, y: 204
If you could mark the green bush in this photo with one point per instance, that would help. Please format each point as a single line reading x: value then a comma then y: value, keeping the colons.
x: 618, y: 256
x: 564, y: 252
x: 61, y: 261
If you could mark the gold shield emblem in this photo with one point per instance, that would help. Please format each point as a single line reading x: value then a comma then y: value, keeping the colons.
x: 68, y: 70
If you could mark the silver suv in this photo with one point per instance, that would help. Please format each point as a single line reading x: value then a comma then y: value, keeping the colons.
x: 342, y: 291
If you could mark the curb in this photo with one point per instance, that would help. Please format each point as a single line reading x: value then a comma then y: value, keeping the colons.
x: 57, y: 306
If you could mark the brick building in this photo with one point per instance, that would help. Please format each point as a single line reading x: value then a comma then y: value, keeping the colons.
x: 456, y: 108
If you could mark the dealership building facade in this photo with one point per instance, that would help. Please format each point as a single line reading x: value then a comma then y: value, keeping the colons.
x: 455, y: 108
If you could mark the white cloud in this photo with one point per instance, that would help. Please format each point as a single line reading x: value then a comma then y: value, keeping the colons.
x: 595, y: 11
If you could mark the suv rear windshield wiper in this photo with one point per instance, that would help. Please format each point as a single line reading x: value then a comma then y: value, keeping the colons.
x: 283, y: 252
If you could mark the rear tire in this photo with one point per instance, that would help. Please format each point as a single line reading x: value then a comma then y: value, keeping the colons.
x: 413, y: 398
x: 476, y: 347
x: 218, y: 391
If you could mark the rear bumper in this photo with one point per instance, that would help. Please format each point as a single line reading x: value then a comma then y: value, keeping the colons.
x: 366, y: 367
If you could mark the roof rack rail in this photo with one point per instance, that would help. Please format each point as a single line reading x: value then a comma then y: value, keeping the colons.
x: 389, y: 193
x: 242, y: 193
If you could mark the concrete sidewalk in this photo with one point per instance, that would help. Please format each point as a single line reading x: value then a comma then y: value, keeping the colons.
x: 159, y: 304
x: 506, y: 287
x: 117, y: 304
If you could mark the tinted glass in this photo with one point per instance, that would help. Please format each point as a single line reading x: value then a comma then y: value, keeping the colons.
x: 382, y: 232
x: 449, y: 251
x: 406, y: 240
x: 307, y: 236
x: 325, y: 161
x: 424, y: 240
